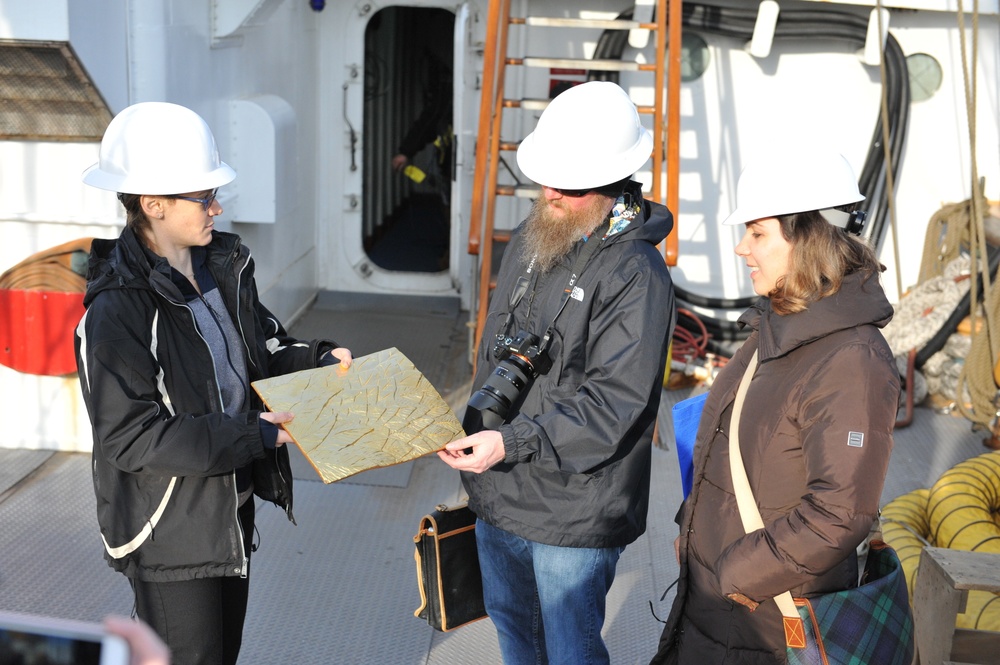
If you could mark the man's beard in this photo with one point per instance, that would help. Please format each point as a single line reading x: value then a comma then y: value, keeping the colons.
x: 547, y: 238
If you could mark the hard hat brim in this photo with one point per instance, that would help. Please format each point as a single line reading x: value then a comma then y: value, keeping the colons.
x: 116, y: 182
x: 747, y: 214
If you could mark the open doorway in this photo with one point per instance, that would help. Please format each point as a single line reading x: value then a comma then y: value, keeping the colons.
x: 408, y: 141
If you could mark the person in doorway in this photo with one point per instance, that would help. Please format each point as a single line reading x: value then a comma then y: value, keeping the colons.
x: 558, y: 474
x: 816, y: 429
x: 432, y: 126
x: 172, y: 336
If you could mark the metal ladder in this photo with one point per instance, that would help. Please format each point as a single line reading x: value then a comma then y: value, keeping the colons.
x: 482, y: 232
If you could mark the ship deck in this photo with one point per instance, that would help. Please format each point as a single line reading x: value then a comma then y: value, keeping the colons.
x: 340, y: 587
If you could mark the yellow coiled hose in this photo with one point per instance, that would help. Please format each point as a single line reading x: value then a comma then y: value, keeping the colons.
x: 960, y: 512
x: 905, y: 528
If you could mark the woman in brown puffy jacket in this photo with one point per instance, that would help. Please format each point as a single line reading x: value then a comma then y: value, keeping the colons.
x: 816, y: 429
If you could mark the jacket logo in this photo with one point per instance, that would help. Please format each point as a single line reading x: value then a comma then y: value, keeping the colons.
x: 856, y: 439
x: 577, y: 294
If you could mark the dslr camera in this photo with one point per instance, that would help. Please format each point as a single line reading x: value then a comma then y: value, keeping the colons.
x: 521, y: 361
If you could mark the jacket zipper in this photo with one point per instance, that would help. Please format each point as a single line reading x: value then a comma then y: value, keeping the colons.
x: 252, y: 361
x: 242, y: 570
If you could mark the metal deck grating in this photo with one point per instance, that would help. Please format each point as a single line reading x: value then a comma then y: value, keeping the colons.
x: 50, y: 553
x: 17, y: 464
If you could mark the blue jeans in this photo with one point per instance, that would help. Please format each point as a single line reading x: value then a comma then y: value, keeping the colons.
x: 546, y: 602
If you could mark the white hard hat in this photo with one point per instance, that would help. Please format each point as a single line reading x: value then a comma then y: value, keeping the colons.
x: 588, y: 136
x: 158, y: 148
x: 794, y: 180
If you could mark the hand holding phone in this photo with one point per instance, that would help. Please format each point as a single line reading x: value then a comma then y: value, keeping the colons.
x: 59, y: 641
x: 146, y: 646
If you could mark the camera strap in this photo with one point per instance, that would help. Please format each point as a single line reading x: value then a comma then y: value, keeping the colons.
x: 515, y: 297
x: 590, y: 247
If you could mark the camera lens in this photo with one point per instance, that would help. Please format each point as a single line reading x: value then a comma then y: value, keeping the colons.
x: 501, y: 390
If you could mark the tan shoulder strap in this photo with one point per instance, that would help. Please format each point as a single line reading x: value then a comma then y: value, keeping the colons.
x: 749, y: 513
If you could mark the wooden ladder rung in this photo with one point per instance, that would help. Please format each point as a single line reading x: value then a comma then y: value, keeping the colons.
x: 527, y: 104
x: 520, y: 191
x: 603, y: 24
x: 583, y: 63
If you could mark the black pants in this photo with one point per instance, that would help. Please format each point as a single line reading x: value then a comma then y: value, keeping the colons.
x: 200, y: 620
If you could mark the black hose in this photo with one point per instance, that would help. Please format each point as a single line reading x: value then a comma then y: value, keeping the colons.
x: 713, y: 303
x: 720, y: 329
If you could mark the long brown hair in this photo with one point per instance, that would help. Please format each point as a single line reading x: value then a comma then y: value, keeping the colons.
x: 821, y: 255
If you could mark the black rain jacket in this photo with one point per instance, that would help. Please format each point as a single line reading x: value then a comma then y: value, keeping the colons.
x: 577, y: 466
x: 165, y: 454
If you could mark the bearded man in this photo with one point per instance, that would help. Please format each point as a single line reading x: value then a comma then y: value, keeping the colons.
x: 568, y: 381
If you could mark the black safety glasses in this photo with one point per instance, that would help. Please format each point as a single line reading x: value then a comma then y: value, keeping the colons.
x: 206, y: 203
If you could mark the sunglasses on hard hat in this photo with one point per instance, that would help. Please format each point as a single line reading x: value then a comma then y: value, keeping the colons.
x: 206, y: 202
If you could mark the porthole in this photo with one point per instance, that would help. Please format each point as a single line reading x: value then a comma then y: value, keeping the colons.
x: 694, y: 56
x: 925, y: 76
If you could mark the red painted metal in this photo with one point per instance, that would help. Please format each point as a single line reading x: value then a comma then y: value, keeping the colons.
x: 36, y: 330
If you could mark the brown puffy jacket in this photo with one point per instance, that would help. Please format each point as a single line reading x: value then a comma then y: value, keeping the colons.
x: 815, y: 435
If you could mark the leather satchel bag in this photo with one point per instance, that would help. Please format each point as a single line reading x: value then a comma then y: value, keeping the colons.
x: 871, y: 623
x: 448, y: 575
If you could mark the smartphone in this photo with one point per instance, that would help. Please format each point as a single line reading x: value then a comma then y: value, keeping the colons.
x: 35, y: 639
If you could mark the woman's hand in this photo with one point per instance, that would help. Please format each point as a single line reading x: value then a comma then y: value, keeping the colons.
x: 677, y: 549
x: 343, y: 355
x: 277, y: 419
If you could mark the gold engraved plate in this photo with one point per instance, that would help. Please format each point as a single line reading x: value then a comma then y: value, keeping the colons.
x: 382, y: 411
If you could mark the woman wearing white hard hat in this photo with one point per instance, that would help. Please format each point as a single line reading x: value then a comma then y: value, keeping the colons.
x: 172, y: 336
x: 814, y: 430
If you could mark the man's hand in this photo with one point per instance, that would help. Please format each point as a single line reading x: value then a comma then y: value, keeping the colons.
x: 277, y: 419
x: 475, y: 453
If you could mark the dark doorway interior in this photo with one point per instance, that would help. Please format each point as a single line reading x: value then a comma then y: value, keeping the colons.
x: 408, y: 145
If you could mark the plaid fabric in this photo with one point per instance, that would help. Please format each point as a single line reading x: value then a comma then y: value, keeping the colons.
x: 869, y: 625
